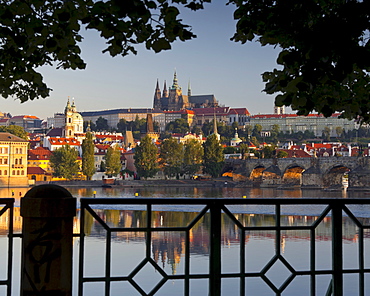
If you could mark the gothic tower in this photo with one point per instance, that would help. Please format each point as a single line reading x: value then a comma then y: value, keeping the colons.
x: 175, y: 101
x: 165, y: 91
x: 157, y: 98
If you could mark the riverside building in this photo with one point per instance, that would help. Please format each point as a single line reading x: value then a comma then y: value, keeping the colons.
x: 13, y: 161
x: 293, y: 123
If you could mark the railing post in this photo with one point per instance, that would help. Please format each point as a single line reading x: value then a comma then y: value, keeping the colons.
x: 337, y: 249
x: 46, y: 269
x: 215, y: 251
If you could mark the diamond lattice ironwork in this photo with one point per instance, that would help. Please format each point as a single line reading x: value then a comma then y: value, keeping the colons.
x: 278, y: 273
x: 148, y: 276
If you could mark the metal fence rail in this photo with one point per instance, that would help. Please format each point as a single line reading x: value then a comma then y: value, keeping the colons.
x: 215, y: 208
x: 7, y: 208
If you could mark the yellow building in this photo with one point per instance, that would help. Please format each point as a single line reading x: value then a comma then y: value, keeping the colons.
x: 13, y: 161
x: 40, y: 157
x: 39, y: 168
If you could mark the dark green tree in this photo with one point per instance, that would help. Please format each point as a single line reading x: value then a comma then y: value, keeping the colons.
x: 243, y: 149
x: 16, y: 130
x: 138, y: 124
x: 256, y: 132
x: 281, y: 154
x: 180, y: 126
x: 89, y: 124
x: 146, y: 158
x: 122, y: 125
x: 324, y: 44
x: 213, y: 156
x: 113, y: 164
x: 207, y: 128
x: 229, y: 150
x: 102, y: 166
x: 255, y: 141
x: 268, y: 151
x: 64, y: 163
x: 275, y: 130
x: 171, y: 157
x: 37, y: 33
x: 193, y: 156
x: 102, y: 124
x: 324, y: 49
x: 196, y: 130
x: 339, y: 131
x: 88, y: 161
x: 326, y: 133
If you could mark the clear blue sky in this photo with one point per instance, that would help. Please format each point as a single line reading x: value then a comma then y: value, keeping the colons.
x: 213, y: 64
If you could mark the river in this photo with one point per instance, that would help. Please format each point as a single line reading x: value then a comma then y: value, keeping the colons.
x: 167, y: 249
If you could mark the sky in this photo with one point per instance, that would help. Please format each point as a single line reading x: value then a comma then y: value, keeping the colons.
x: 212, y: 63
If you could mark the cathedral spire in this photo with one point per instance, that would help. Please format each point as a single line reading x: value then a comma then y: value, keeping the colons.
x: 165, y: 92
x: 189, y: 89
x: 157, y: 86
x: 157, y: 97
x: 157, y: 93
x: 175, y: 84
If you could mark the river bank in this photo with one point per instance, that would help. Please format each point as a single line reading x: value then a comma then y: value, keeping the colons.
x: 220, y: 182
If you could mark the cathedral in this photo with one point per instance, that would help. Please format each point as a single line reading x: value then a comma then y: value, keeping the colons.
x: 174, y: 100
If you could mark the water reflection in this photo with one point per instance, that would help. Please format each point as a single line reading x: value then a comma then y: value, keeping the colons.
x: 167, y: 248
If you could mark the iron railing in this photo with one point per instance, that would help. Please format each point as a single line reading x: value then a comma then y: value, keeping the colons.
x: 8, y: 209
x: 335, y: 209
x: 215, y: 210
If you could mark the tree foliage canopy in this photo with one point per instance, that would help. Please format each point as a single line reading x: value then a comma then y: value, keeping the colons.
x: 64, y: 162
x: 193, y: 156
x: 325, y: 52
x: 35, y: 33
x: 213, y: 156
x: 179, y: 125
x: 146, y: 158
x: 324, y: 44
x: 88, y: 162
x: 15, y: 130
x: 113, y: 161
x: 172, y: 157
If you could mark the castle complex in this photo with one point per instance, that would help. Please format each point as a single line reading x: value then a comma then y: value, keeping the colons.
x: 174, y: 100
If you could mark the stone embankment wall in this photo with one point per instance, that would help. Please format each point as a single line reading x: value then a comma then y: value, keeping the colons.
x: 221, y: 182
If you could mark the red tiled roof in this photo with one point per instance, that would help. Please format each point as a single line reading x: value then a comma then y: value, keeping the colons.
x: 64, y: 141
x: 102, y: 146
x: 36, y: 171
x: 240, y: 111
x: 39, y: 153
x: 290, y: 115
x: 25, y: 116
x: 211, y: 111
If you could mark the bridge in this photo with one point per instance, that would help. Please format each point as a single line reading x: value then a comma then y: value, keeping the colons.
x: 308, y: 172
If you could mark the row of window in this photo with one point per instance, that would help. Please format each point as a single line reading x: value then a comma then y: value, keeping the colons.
x: 5, y: 150
x: 30, y: 162
x: 14, y: 172
x: 4, y: 160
